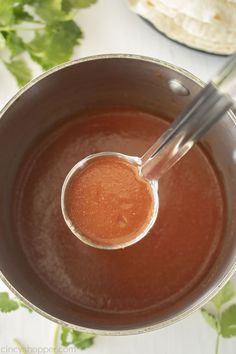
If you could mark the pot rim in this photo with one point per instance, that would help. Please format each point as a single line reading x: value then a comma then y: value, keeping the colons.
x: 204, y: 298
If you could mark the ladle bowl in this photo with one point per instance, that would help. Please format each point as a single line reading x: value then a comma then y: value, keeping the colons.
x: 133, y: 160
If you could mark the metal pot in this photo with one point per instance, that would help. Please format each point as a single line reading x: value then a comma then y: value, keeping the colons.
x: 97, y: 82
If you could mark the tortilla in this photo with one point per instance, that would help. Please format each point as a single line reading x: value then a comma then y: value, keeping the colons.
x: 208, y: 25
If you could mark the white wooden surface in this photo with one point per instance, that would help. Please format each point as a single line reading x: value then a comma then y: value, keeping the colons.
x: 110, y: 27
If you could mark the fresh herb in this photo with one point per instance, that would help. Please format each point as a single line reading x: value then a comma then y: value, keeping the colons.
x: 68, y: 337
x: 55, y: 33
x: 77, y: 339
x: 20, y: 70
x: 71, y: 337
x: 55, y: 339
x: 228, y: 322
x: 223, y: 296
x: 80, y: 340
x: 7, y: 304
x: 223, y: 318
x: 20, y: 346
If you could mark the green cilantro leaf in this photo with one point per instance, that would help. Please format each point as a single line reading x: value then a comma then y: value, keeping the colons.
x: 12, y: 12
x: 224, y: 295
x: 55, y: 45
x: 55, y: 32
x: 2, y: 41
x: 228, y: 322
x: 210, y: 319
x: 83, y: 3
x: 6, y: 13
x: 7, y: 304
x: 223, y: 322
x: 20, y: 14
x: 51, y: 11
x: 65, y: 332
x: 25, y: 307
x: 20, y: 70
x: 67, y: 5
x: 14, y: 43
x: 80, y: 340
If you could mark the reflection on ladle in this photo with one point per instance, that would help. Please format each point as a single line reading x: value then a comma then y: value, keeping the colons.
x: 206, y: 109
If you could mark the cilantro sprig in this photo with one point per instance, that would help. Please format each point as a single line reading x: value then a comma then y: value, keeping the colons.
x: 72, y: 337
x: 222, y: 317
x: 55, y: 33
x: 8, y: 304
x: 68, y: 336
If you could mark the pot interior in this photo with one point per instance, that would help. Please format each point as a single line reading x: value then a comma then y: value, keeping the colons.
x: 97, y: 85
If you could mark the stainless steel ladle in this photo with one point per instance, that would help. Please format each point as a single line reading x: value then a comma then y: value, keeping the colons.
x: 206, y: 109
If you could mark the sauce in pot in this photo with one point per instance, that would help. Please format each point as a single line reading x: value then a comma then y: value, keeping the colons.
x: 156, y: 272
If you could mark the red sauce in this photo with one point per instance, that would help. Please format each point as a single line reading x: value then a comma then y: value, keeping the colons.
x: 153, y: 274
x: 108, y: 202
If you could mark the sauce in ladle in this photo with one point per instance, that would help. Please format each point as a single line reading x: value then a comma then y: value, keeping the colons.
x: 108, y: 201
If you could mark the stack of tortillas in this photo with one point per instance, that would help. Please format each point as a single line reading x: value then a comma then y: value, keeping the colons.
x: 208, y: 25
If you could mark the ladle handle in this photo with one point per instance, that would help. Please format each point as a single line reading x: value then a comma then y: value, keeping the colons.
x: 206, y: 109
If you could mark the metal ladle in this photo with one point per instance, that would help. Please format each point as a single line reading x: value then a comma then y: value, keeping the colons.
x: 206, y: 109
